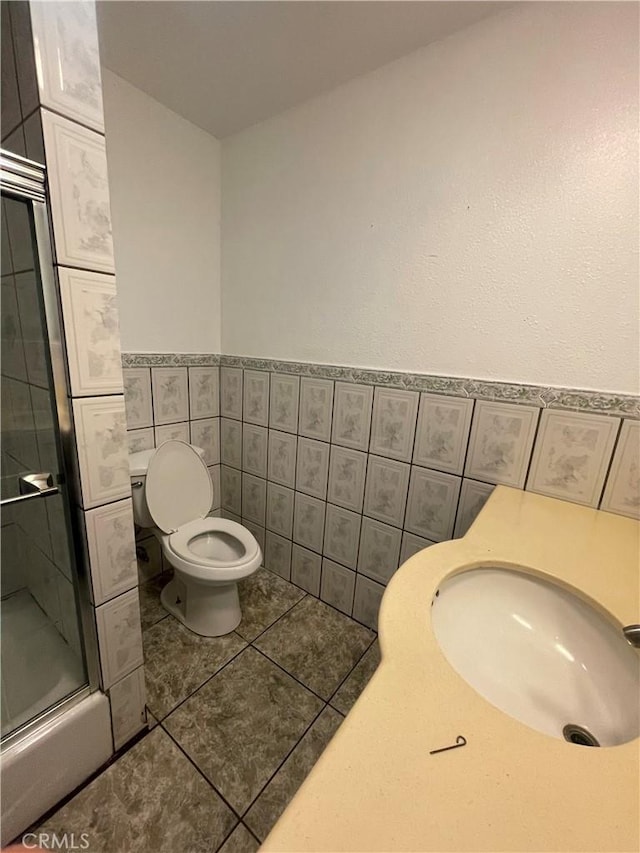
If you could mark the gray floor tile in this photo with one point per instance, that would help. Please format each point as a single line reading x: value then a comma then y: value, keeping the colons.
x: 263, y: 814
x: 346, y: 695
x: 151, y: 610
x: 316, y: 644
x: 150, y: 801
x: 240, y: 841
x: 264, y: 597
x: 177, y: 662
x: 241, y: 725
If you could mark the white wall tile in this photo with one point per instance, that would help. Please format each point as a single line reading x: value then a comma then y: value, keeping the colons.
x: 231, y: 392
x: 622, y: 493
x: 473, y: 496
x: 173, y: 432
x: 393, y: 423
x: 170, y: 396
x: 283, y: 407
x: 231, y: 442
x: 128, y: 714
x: 256, y: 397
x: 254, y: 498
x: 342, y: 535
x: 92, y: 333
x: 316, y: 405
x: 79, y: 193
x: 352, y: 415
x: 366, y: 603
x: 140, y: 439
x: 443, y: 432
x: 280, y: 509
x: 379, y: 550
x: 282, y: 458
x: 67, y: 60
x: 254, y: 449
x: 112, y: 549
x: 385, y: 495
x: 312, y: 467
x: 101, y: 437
x: 205, y: 433
x: 338, y: 585
x: 308, y: 521
x: 119, y: 637
x: 431, y: 508
x: 571, y: 456
x: 500, y: 445
x: 204, y: 392
x: 278, y: 555
x: 306, y: 569
x: 231, y: 489
x: 412, y: 544
x: 137, y: 397
x: 347, y: 471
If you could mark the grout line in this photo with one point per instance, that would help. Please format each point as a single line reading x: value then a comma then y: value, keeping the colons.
x: 286, y: 672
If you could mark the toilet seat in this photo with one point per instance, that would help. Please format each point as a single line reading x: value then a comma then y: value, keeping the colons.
x: 181, y: 545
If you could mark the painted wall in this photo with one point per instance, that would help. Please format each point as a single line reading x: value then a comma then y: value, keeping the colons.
x: 470, y: 210
x: 164, y: 178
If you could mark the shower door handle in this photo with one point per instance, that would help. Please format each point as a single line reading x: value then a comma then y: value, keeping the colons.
x: 36, y: 485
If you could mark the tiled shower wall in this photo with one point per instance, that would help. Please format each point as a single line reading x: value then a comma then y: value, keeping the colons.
x: 343, y: 474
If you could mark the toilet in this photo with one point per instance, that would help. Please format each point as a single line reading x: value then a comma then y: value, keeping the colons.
x: 172, y: 494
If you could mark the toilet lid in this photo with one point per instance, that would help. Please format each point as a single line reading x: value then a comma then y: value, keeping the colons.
x: 178, y: 486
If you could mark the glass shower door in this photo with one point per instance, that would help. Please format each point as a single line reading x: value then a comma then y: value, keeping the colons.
x: 43, y: 660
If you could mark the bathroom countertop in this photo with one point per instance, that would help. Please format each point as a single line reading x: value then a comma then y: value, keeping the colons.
x: 511, y: 788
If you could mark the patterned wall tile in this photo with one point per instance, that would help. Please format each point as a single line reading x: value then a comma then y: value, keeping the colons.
x: 170, y: 395
x: 393, y: 423
x: 205, y: 433
x: 500, y: 445
x: 79, y: 194
x: 256, y: 397
x: 204, y: 392
x: 412, y: 544
x: 278, y: 555
x: 102, y: 449
x: 443, y: 432
x: 342, y: 535
x: 316, y: 405
x: 622, y: 493
x: 385, y: 496
x: 231, y: 489
x: 231, y: 392
x: 473, y: 496
x: 137, y: 397
x: 347, y: 471
x: 119, y: 637
x: 282, y: 458
x: 254, y: 499
x: 352, y: 417
x: 306, y: 569
x: 379, y: 550
x: 140, y: 439
x: 280, y: 509
x: 254, y: 449
x: 338, y: 585
x: 128, y: 714
x: 231, y: 442
x: 366, y: 602
x: 283, y: 410
x: 173, y: 432
x: 431, y: 508
x: 308, y: 521
x: 572, y: 455
x: 313, y: 467
x: 92, y: 332
x: 111, y: 544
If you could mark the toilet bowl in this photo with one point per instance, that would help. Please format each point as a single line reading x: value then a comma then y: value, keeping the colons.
x: 172, y: 494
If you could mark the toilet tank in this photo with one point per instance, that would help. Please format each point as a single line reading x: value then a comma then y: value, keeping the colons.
x: 138, y: 465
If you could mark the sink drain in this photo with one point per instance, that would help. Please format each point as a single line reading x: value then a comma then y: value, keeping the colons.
x: 579, y: 735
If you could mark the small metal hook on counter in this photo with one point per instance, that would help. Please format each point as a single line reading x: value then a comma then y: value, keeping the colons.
x: 460, y: 741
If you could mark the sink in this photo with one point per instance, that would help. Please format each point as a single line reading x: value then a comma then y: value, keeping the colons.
x: 541, y: 654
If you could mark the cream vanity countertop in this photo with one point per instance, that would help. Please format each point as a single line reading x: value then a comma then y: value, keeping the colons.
x: 511, y: 788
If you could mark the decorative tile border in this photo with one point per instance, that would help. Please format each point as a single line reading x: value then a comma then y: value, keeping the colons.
x: 169, y: 359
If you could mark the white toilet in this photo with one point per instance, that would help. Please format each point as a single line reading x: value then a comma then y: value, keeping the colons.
x: 172, y: 494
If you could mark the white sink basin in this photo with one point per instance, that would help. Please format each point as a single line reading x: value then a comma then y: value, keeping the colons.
x: 541, y: 654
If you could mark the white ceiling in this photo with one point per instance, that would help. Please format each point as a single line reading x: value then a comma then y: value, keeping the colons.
x: 227, y: 64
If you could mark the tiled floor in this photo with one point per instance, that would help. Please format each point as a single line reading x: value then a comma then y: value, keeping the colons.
x: 238, y: 722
